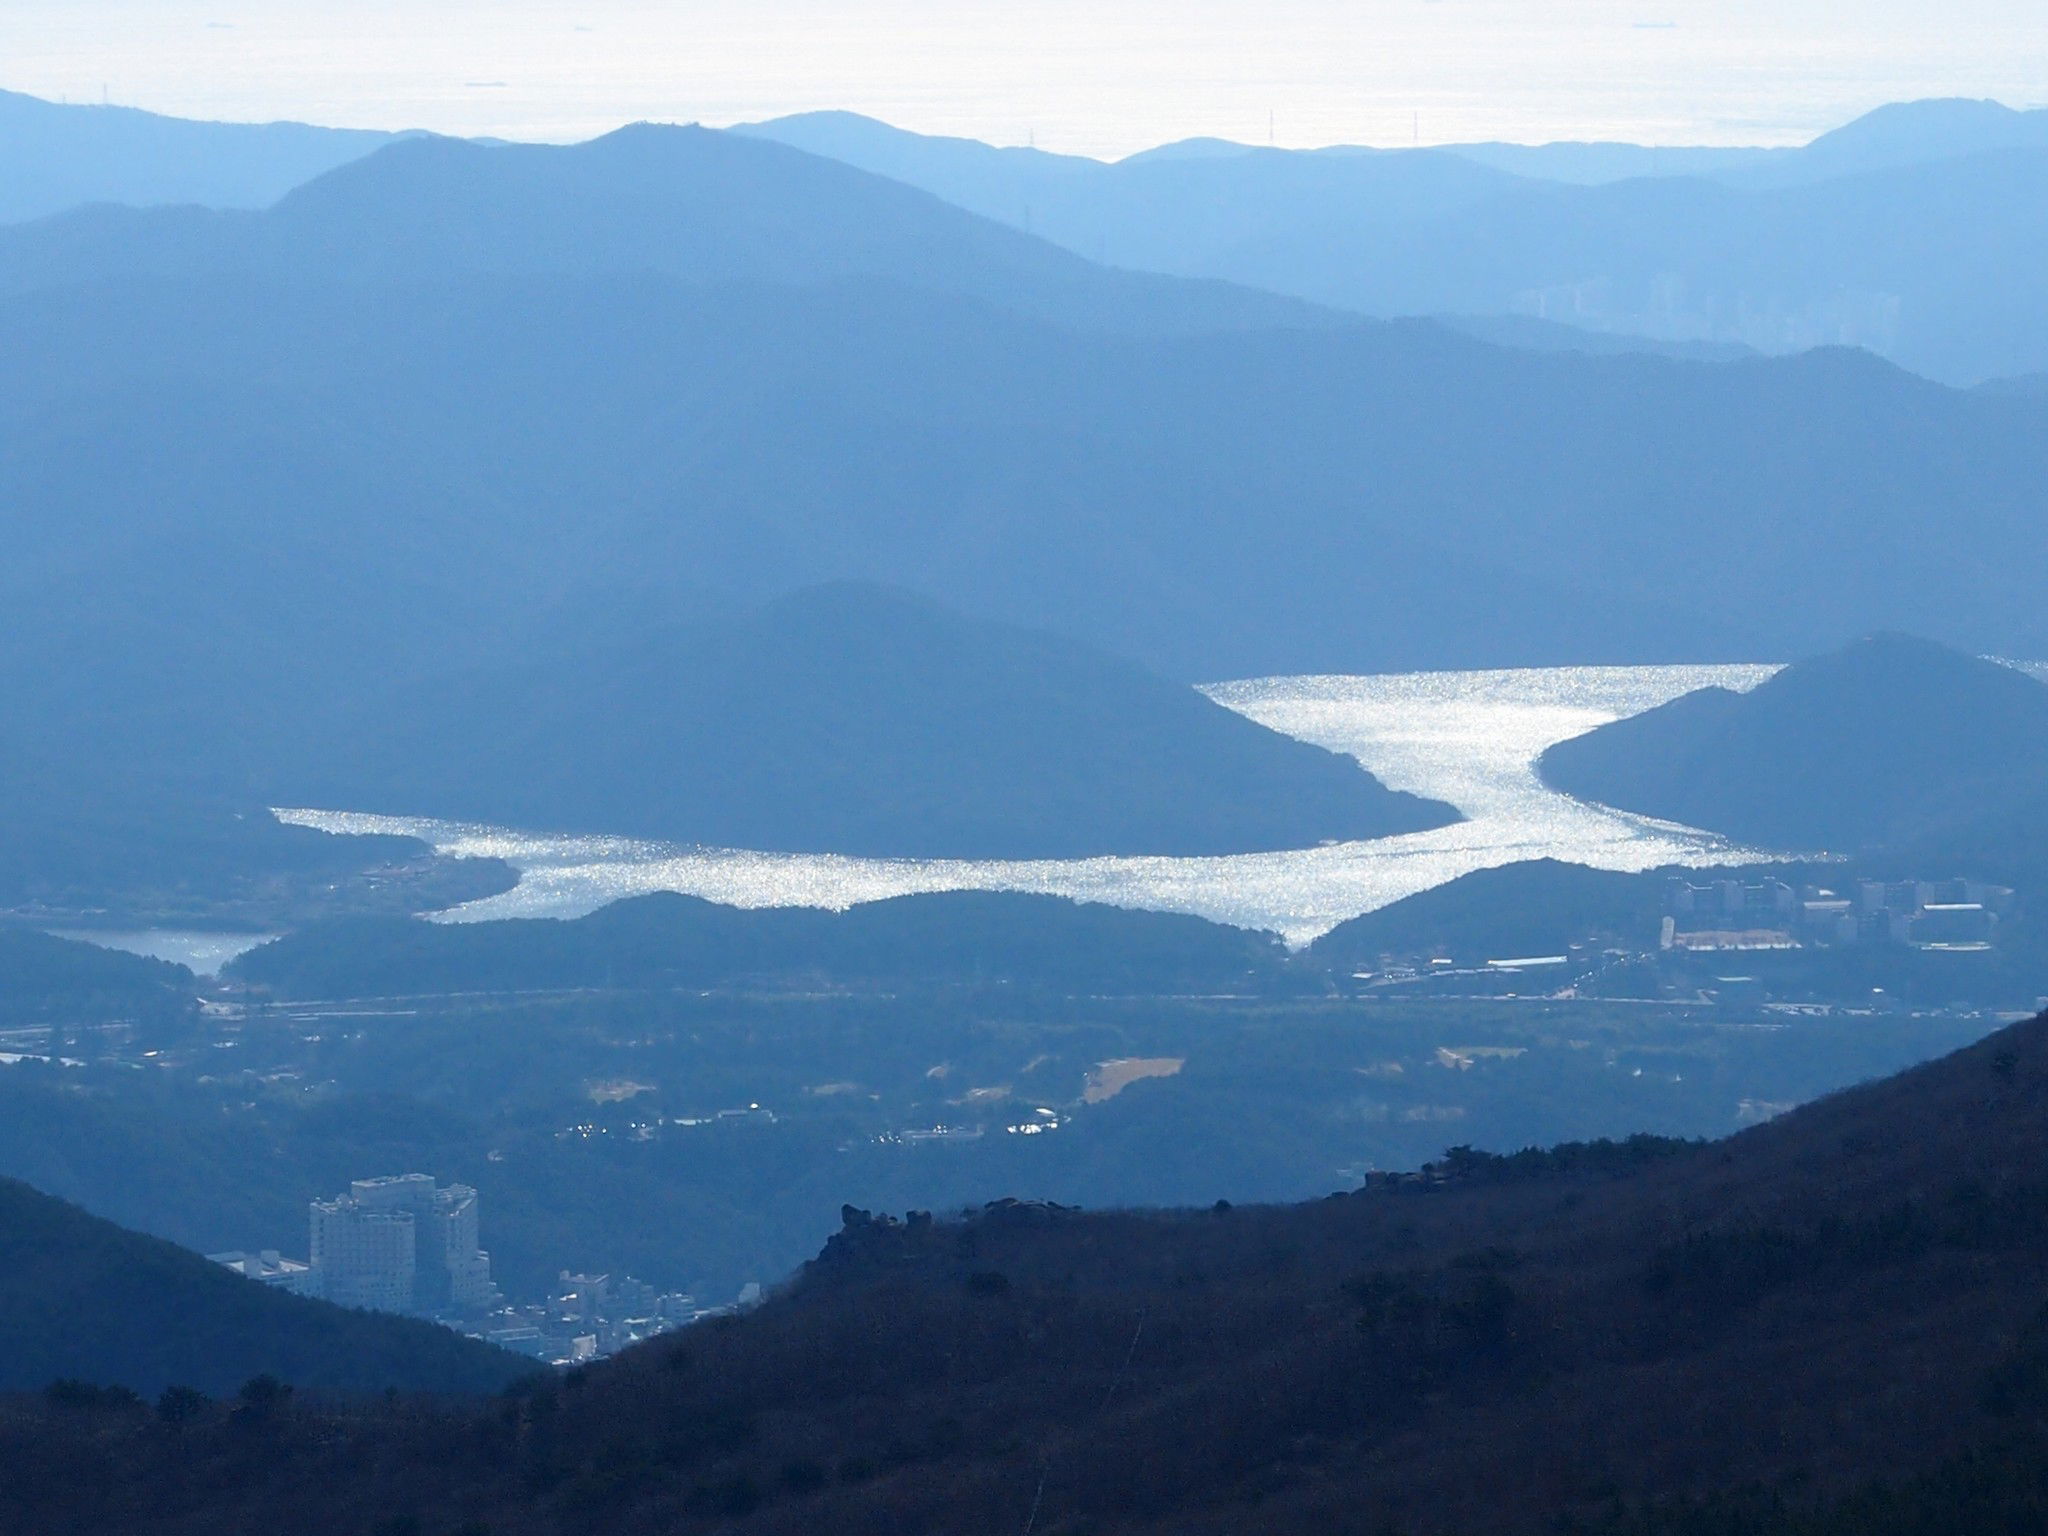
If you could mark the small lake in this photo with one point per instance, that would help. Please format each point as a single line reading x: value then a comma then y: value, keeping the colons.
x: 200, y: 952
x: 1469, y: 738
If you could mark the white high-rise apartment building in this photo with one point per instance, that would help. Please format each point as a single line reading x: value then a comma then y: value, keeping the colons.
x: 401, y: 1244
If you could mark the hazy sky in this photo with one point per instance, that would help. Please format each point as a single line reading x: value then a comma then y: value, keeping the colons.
x: 1094, y: 76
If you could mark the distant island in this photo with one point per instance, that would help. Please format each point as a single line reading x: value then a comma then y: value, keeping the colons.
x: 1892, y: 743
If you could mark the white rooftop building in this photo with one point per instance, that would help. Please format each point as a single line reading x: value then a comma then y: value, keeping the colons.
x: 271, y: 1268
x: 401, y: 1244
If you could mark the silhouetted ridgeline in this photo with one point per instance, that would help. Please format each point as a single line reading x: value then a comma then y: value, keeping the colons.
x: 1909, y: 230
x: 1207, y: 182
x: 683, y: 201
x: 54, y: 157
x: 2025, y: 386
x: 1829, y: 1324
x: 1016, y: 462
x: 1893, y: 743
x: 1914, y: 231
x: 670, y: 940
x: 1863, y: 237
x: 82, y: 1299
x: 455, y: 484
x: 1910, y: 133
x: 854, y: 719
x: 1933, y: 266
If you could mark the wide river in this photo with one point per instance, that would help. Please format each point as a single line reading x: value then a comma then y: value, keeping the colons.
x: 1469, y: 738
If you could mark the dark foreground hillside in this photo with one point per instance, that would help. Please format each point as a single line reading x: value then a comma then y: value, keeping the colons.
x: 83, y: 1300
x: 1831, y: 1323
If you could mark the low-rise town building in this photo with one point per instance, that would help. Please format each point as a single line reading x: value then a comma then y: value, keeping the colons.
x: 1770, y: 914
x: 407, y: 1244
x: 269, y: 1267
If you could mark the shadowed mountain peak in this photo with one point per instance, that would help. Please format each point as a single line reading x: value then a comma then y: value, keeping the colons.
x: 684, y: 202
x: 1918, y: 132
x: 1875, y: 744
x: 852, y: 718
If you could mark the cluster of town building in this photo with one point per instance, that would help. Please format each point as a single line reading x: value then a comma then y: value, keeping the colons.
x: 399, y: 1244
x: 1772, y: 914
x: 409, y: 1245
x: 593, y: 1315
x: 1731, y: 914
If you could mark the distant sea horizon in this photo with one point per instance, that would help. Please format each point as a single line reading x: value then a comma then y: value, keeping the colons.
x: 1083, y: 78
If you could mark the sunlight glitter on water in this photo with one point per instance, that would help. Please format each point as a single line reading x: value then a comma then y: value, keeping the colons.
x: 1468, y: 738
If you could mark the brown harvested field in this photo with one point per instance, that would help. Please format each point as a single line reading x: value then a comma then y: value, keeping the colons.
x: 1113, y: 1077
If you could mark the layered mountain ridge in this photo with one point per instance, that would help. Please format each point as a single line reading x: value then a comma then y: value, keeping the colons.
x: 685, y: 202
x: 1912, y: 231
x: 57, y: 156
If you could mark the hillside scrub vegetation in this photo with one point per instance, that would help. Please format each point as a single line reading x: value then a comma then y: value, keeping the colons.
x: 1830, y: 1323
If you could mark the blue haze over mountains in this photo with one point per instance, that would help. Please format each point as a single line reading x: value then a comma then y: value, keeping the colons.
x: 449, y: 410
x: 697, y: 486
x: 1913, y: 231
x: 692, y: 485
x: 55, y: 157
x: 1916, y: 231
